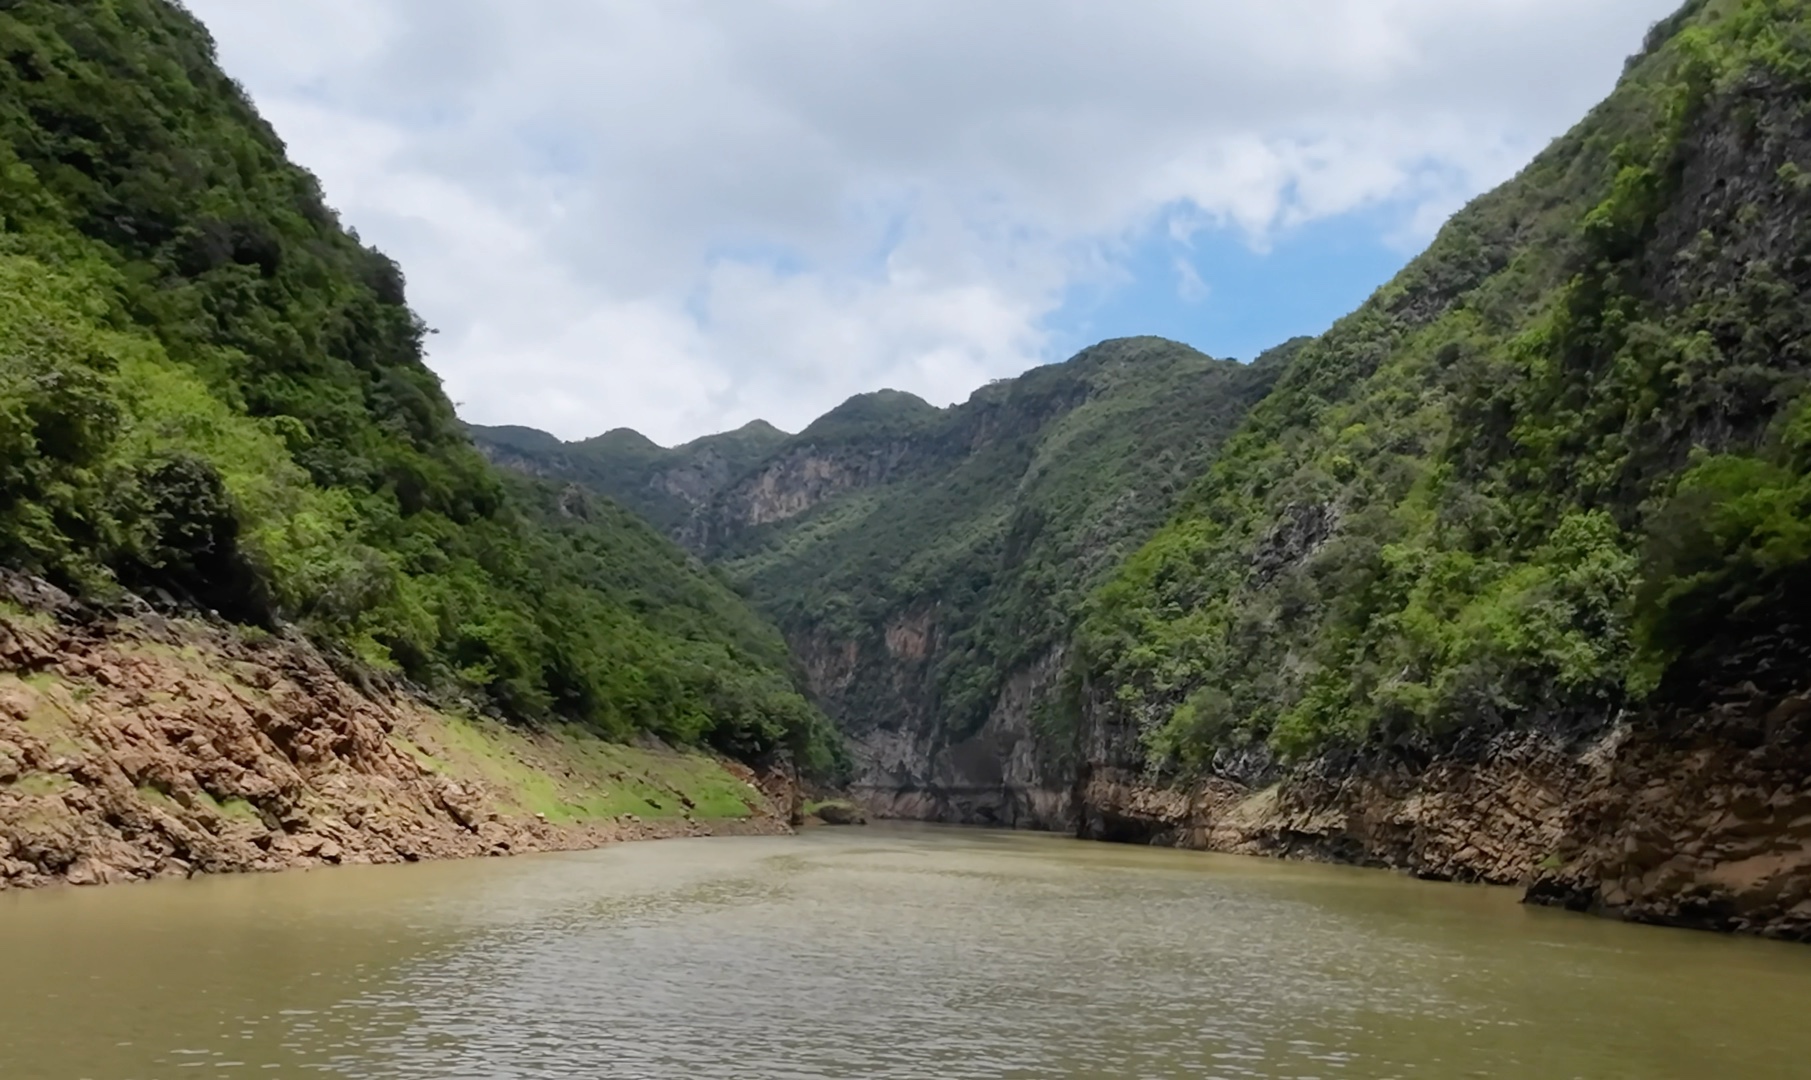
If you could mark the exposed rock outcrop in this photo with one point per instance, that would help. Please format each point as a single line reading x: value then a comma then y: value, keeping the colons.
x: 840, y: 813
x: 1700, y: 820
x: 1491, y: 817
x: 144, y: 747
x: 1704, y: 822
x: 793, y: 483
x: 1005, y: 774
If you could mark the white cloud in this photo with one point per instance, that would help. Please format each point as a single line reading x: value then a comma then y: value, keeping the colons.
x: 678, y: 216
x: 1189, y: 285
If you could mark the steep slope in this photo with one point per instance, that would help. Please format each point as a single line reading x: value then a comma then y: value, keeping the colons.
x: 1508, y: 577
x: 135, y: 746
x: 932, y: 597
x: 212, y: 396
x: 927, y: 564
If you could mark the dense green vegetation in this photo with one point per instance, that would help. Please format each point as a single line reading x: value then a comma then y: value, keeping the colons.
x: 1016, y: 504
x: 988, y: 522
x: 212, y: 392
x: 1557, y: 468
x: 1540, y: 476
x: 662, y: 485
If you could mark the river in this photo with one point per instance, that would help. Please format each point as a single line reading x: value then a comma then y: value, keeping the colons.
x: 884, y: 952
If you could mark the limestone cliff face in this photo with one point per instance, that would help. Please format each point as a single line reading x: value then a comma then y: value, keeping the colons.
x: 908, y: 763
x: 1008, y: 773
x: 796, y: 481
x: 813, y: 469
x: 1699, y: 818
x: 696, y: 480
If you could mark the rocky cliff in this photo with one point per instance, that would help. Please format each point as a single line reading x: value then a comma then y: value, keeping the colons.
x: 1697, y: 817
x: 926, y: 565
x: 1505, y: 581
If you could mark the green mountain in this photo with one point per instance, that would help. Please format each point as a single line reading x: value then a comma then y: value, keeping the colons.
x: 664, y: 486
x: 1555, y: 467
x: 211, y: 394
x: 928, y: 565
x: 1505, y: 577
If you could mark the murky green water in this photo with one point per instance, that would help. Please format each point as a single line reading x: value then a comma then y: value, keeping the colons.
x: 885, y: 952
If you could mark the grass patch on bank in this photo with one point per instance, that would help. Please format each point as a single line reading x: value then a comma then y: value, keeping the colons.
x: 232, y: 808
x: 571, y: 776
x: 186, y: 654
x: 46, y: 718
x: 159, y: 798
x: 13, y: 613
x: 38, y: 784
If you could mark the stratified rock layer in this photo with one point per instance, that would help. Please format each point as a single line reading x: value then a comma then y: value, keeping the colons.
x: 1704, y: 822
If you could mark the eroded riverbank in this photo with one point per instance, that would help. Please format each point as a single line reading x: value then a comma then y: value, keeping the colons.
x: 143, y: 747
x: 1697, y: 817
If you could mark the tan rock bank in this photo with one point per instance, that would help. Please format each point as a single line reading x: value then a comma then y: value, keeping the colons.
x: 141, y: 747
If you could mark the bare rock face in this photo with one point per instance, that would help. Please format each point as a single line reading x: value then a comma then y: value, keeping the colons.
x: 142, y: 748
x: 1004, y: 774
x: 790, y: 484
x: 1301, y: 531
x: 1491, y: 818
x: 839, y: 813
x: 1706, y: 823
x: 1698, y: 819
x: 694, y: 481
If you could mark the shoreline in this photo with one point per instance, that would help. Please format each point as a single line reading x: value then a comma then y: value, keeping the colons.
x: 554, y: 840
x: 144, y: 748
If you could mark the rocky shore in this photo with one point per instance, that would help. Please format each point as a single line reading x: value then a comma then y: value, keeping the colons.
x: 136, y: 746
x: 1700, y: 822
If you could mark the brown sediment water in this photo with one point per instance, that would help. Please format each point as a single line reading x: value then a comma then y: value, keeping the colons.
x: 880, y: 952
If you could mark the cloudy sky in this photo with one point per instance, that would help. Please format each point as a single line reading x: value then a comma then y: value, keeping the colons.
x: 682, y: 215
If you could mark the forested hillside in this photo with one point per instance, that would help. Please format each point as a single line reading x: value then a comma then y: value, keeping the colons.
x: 1025, y: 497
x: 928, y: 565
x: 665, y: 486
x: 212, y: 395
x: 1557, y: 466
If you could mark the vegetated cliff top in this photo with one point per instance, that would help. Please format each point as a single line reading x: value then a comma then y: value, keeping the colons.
x: 670, y: 486
x: 881, y: 414
x: 663, y: 485
x: 211, y: 392
x: 1559, y: 462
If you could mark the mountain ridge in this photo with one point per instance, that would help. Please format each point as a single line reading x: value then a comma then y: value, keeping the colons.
x: 909, y: 551
x: 1500, y: 579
